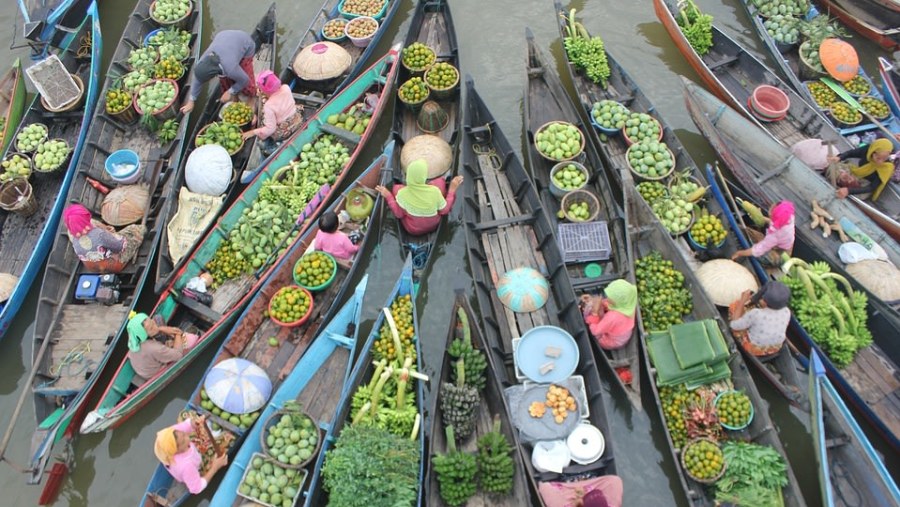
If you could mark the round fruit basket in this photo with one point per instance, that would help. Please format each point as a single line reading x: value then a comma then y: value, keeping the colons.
x: 24, y: 169
x: 34, y: 138
x: 424, y: 94
x: 744, y: 397
x: 230, y: 108
x: 165, y: 112
x: 876, y: 107
x: 580, y: 197
x: 822, y: 95
x: 277, y: 418
x: 807, y: 70
x: 75, y: 104
x: 648, y: 177
x: 839, y: 112
x: 684, y: 463
x: 614, y: 108
x: 349, y: 9
x: 440, y: 69
x: 17, y: 196
x: 560, y: 192
x: 41, y: 155
x: 126, y: 114
x: 366, y: 23
x: 548, y: 143
x: 631, y: 139
x: 859, y: 86
x: 697, y: 246
x: 202, y: 138
x: 181, y: 22
x: 333, y: 29
x: 313, y: 261
x: 275, y: 307
x: 420, y: 50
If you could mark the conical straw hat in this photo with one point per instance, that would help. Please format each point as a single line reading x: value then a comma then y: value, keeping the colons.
x: 322, y: 60
x: 724, y: 280
x: 434, y: 150
x: 7, y: 284
x: 839, y: 58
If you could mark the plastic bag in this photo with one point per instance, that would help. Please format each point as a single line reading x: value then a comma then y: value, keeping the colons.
x: 551, y: 456
x: 208, y: 170
x: 812, y: 153
x: 853, y: 252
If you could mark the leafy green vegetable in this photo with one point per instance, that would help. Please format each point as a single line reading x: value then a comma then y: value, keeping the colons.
x: 696, y: 26
x: 371, y: 467
x: 754, y: 475
x: 585, y: 52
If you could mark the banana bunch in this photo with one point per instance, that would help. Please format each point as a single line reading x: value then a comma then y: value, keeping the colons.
x: 458, y: 403
x: 461, y: 348
x: 455, y: 472
x: 167, y: 132
x: 495, y: 465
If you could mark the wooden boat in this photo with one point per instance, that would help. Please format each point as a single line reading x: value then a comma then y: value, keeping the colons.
x: 732, y: 74
x: 850, y: 471
x: 249, y: 339
x: 167, y: 265
x: 316, y: 383
x: 80, y: 331
x: 115, y: 406
x: 546, y: 101
x: 431, y: 25
x: 870, y: 18
x: 12, y: 102
x: 26, y: 240
x: 507, y: 228
x: 649, y: 236
x: 362, y: 374
x: 890, y: 83
x: 491, y: 408
x: 749, y: 153
x: 46, y: 22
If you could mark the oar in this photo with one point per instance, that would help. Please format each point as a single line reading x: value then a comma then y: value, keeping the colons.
x: 844, y: 94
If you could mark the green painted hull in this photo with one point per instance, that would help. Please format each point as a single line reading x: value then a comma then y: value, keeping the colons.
x: 13, y: 84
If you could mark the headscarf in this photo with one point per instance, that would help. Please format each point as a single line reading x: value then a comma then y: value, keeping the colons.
x: 622, y: 296
x: 776, y: 295
x: 782, y: 214
x: 594, y: 498
x: 418, y: 198
x: 166, y: 447
x: 884, y: 169
x: 268, y: 82
x: 77, y: 219
x: 136, y: 332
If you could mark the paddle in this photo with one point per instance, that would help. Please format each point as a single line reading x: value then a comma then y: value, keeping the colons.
x: 844, y: 94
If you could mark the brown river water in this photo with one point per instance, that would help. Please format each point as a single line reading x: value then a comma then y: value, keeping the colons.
x: 113, y: 468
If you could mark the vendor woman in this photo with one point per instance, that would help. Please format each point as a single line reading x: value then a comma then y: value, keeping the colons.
x: 420, y: 204
x: 181, y: 458
x: 779, y: 235
x: 873, y: 176
x: 761, y: 330
x: 99, y: 247
x: 281, y: 115
x: 611, y: 318
x: 230, y: 57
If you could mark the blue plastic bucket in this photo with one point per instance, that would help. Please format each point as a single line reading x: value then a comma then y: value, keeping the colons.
x: 151, y: 34
x: 120, y: 174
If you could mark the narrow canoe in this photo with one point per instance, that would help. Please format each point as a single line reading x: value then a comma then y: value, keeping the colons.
x: 362, y: 375
x: 249, y: 339
x: 26, y: 240
x: 770, y: 174
x: 431, y: 25
x: 168, y: 263
x: 114, y: 407
x: 12, y: 102
x: 46, y: 22
x: 491, y: 407
x: 507, y: 228
x: 649, y: 237
x: 890, y: 84
x: 850, y: 471
x: 872, y: 19
x: 732, y: 73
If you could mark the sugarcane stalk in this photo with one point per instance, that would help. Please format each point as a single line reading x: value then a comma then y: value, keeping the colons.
x: 451, y: 439
x: 362, y: 412
x: 415, y: 431
x: 460, y: 373
x: 376, y: 393
x: 379, y: 367
x: 393, y: 327
x: 464, y: 323
x: 401, y: 384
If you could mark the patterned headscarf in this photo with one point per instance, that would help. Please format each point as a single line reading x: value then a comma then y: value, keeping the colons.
x: 268, y: 82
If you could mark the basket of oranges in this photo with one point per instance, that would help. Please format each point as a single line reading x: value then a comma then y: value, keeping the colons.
x: 443, y: 79
x: 315, y: 271
x: 291, y: 306
x: 414, y: 92
x: 703, y: 461
x: 734, y: 410
x: 169, y: 67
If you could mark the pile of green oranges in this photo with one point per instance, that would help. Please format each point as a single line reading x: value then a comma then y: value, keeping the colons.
x: 708, y: 229
x: 704, y: 460
x: 734, y: 409
x: 169, y: 68
x: 417, y: 56
x: 117, y: 101
x: 875, y: 107
x: 289, y: 304
x: 237, y: 113
x: 442, y: 76
x: 402, y: 313
x: 674, y: 399
x: 845, y: 114
x: 652, y: 190
x: 858, y: 86
x: 822, y: 94
x: 314, y: 269
x: 413, y: 91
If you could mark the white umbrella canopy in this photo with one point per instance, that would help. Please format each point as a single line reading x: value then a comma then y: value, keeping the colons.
x: 321, y: 61
x: 238, y: 386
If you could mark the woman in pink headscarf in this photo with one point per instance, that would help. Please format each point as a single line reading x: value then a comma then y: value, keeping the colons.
x: 99, y: 246
x: 281, y: 115
x: 779, y: 235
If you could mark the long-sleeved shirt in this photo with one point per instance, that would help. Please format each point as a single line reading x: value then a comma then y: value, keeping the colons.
x: 861, y: 153
x: 765, y: 327
x: 279, y: 107
x: 782, y: 238
x: 98, y: 244
x: 231, y: 46
x: 612, y: 331
x: 152, y: 357
x: 185, y: 465
x: 336, y: 243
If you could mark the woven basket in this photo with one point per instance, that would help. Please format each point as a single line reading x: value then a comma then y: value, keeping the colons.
x: 182, y: 22
x: 273, y: 419
x: 71, y: 106
x: 643, y: 177
x: 579, y: 196
x: 57, y: 168
x: 443, y: 93
x: 574, y: 155
x: 685, y: 468
x: 232, y: 153
x: 17, y: 196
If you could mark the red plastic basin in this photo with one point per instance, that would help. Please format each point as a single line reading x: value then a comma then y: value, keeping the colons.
x: 769, y: 103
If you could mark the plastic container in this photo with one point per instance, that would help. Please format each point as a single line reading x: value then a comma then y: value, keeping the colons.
x: 696, y: 246
x: 350, y: 15
x: 334, y: 21
x: 303, y: 474
x: 530, y: 355
x: 325, y: 284
x: 768, y: 103
x: 120, y: 174
x: 363, y: 41
x: 560, y: 192
x: 302, y: 320
x: 151, y: 33
x: 579, y: 196
x: 544, y: 126
x: 584, y: 241
x: 273, y: 419
x: 182, y: 22
x: 734, y: 428
x: 606, y: 130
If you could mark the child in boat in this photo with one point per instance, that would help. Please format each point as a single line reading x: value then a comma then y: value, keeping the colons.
x: 611, y: 319
x: 174, y: 449
x: 99, y: 247
x: 420, y: 204
x: 779, y: 235
x: 763, y: 327
x: 148, y: 349
x: 875, y: 174
x: 330, y: 240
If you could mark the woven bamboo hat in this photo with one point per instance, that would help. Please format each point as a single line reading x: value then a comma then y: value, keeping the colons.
x: 724, y: 280
x: 434, y: 150
x: 321, y: 61
x: 7, y: 284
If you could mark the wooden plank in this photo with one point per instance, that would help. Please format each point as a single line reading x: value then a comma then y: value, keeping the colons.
x: 320, y: 396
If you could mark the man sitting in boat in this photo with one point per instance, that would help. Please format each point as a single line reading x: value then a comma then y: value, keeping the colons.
x: 152, y: 346
x: 281, y: 115
x: 181, y: 458
x: 611, y: 318
x: 230, y: 57
x: 779, y: 237
x: 332, y: 241
x: 763, y: 328
x: 875, y: 174
x: 420, y: 204
x: 99, y: 247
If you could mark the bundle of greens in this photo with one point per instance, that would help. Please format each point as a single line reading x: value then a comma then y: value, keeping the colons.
x: 695, y: 25
x: 585, y: 52
x: 754, y: 475
x: 371, y: 467
x: 835, y: 319
x: 455, y: 472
